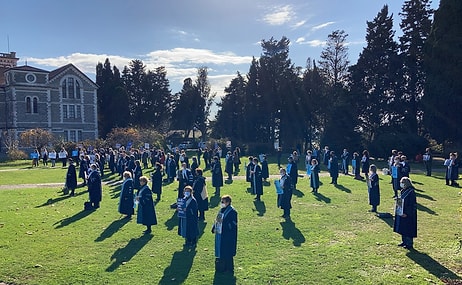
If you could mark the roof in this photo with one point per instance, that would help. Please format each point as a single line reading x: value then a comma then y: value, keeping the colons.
x: 28, y: 68
x: 53, y: 74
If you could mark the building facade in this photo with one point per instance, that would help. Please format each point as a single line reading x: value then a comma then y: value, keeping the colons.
x: 62, y: 101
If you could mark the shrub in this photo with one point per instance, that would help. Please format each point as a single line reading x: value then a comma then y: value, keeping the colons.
x: 16, y: 154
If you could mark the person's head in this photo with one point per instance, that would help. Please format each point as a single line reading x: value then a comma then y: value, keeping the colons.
x: 137, y: 162
x: 187, y: 191
x: 225, y: 201
x: 215, y: 158
x: 250, y: 158
x: 366, y: 153
x: 290, y: 159
x: 405, y: 183
x: 143, y: 180
x: 314, y: 161
x: 183, y: 165
x: 332, y: 153
x: 70, y: 160
x: 308, y: 152
x: 194, y: 159
x: 199, y: 171
x: 255, y: 160
x: 127, y: 174
x: 403, y: 158
x: 282, y: 171
x: 373, y: 168
x: 397, y: 159
x: 158, y: 165
x: 93, y: 167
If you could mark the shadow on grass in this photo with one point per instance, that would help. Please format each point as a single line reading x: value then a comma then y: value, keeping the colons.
x: 386, y: 219
x: 115, y: 191
x: 420, y: 195
x: 425, y: 209
x: 433, y: 267
x: 172, y: 222
x: 298, y: 193
x: 343, y: 188
x: 122, y: 255
x: 215, y: 200
x: 229, y: 181
x: 289, y: 231
x: 224, y: 279
x: 67, y: 221
x: 112, y: 229
x: 179, y: 268
x: 59, y: 199
x: 321, y: 197
x: 260, y: 207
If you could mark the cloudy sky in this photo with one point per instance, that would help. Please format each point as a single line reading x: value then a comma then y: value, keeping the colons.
x: 181, y: 35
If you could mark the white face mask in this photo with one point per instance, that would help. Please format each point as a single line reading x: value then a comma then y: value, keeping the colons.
x: 222, y: 205
x: 401, y: 185
x: 187, y: 194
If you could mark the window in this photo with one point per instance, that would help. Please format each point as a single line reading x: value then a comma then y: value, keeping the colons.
x: 70, y: 88
x: 31, y: 105
x: 35, y: 105
x: 72, y: 135
x: 28, y: 105
x: 72, y: 111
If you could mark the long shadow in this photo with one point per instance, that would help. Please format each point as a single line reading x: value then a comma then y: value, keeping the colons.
x: 343, y: 188
x: 179, y: 268
x: 67, y: 221
x: 172, y: 222
x: 290, y: 231
x: 420, y: 195
x: 433, y: 267
x: 298, y: 193
x: 223, y: 279
x: 115, y: 192
x: 112, y: 229
x: 320, y: 197
x: 260, y: 207
x: 214, y: 200
x: 126, y: 253
x: 59, y: 199
x: 425, y: 209
x: 388, y: 220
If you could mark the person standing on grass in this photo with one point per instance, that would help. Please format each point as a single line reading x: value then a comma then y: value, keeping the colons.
x: 225, y: 230
x: 229, y: 165
x: 217, y: 174
x: 126, y: 202
x: 187, y: 226
x: 406, y: 214
x: 284, y: 199
x: 71, y: 178
x: 373, y: 188
x: 146, y: 213
x: 264, y: 168
x: 333, y: 167
x: 200, y: 193
x: 314, y: 175
x: 257, y: 182
x: 292, y: 171
x: 156, y: 179
x: 365, y: 163
x: 95, y: 189
x: 428, y: 159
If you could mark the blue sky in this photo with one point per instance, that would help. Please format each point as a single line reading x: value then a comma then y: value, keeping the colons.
x: 181, y: 35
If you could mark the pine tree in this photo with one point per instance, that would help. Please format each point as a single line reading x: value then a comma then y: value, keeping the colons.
x: 443, y: 64
x: 415, y: 24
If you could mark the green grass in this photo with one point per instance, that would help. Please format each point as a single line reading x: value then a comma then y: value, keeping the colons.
x: 46, y: 238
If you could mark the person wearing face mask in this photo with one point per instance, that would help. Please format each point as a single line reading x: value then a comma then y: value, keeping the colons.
x: 225, y: 230
x: 406, y: 214
x: 187, y: 213
x: 95, y: 190
x: 126, y: 202
x: 146, y: 213
x: 284, y: 199
x: 373, y: 188
x: 257, y: 182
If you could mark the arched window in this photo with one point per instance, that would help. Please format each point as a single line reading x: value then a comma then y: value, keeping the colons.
x: 77, y: 89
x: 35, y: 105
x: 64, y: 89
x: 28, y: 105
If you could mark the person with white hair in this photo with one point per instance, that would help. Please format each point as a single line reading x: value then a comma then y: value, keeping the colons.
x: 406, y: 214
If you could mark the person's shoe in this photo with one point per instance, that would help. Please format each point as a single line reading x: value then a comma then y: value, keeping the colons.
x: 408, y: 247
x: 146, y: 232
x: 402, y: 244
x: 372, y: 211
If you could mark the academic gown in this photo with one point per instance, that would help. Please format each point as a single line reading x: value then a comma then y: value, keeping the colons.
x: 146, y: 213
x: 407, y: 226
x: 126, y: 202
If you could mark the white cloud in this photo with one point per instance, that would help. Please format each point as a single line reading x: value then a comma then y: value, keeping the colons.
x: 312, y: 43
x: 279, y: 15
x: 322, y: 26
x: 299, y: 24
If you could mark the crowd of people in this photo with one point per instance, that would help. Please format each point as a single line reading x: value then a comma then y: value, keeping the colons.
x: 193, y: 200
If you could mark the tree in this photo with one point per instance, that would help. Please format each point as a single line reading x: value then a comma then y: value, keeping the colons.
x: 207, y: 98
x: 443, y: 66
x: 112, y: 99
x: 416, y: 25
x: 36, y: 138
x: 375, y: 79
x: 334, y: 62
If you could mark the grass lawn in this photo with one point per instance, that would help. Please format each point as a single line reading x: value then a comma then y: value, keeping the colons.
x: 47, y: 238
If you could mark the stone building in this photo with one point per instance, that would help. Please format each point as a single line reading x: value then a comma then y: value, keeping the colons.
x: 62, y: 101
